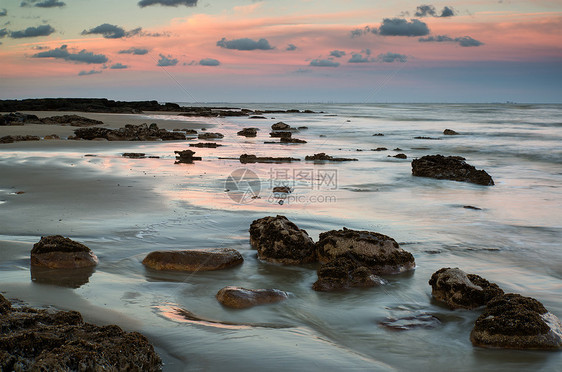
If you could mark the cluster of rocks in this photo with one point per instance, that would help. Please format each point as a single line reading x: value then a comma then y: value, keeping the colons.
x: 210, y: 135
x: 508, y: 321
x: 18, y: 138
x: 322, y: 156
x: 129, y: 132
x: 451, y: 168
x: 284, y: 132
x: 138, y: 155
x: 186, y: 157
x: 210, y: 145
x: 16, y: 118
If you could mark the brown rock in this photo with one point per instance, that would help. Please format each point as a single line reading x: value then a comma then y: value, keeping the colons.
x: 461, y: 290
x: 449, y: 132
x: 280, y: 126
x: 451, y: 168
x: 282, y: 190
x: 194, y: 259
x: 248, y: 132
x: 242, y: 298
x: 186, y: 156
x: 210, y: 145
x: 344, y: 273
x: 209, y: 135
x: 58, y: 252
x: 134, y: 155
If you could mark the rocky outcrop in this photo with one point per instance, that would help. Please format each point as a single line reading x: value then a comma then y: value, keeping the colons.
x: 379, y: 149
x: 516, y: 322
x: 379, y: 253
x: 461, y: 290
x: 12, y: 139
x: 17, y: 118
x: 344, y: 273
x: 321, y: 156
x: 243, y: 298
x: 186, y: 157
x: 451, y: 168
x: 449, y: 132
x: 400, y: 156
x: 280, y: 126
x: 248, y: 158
x: 85, y: 105
x: 291, y: 140
x: 58, y: 252
x: 279, y: 240
x: 73, y: 120
x: 194, y: 259
x: 248, y: 132
x: 129, y: 132
x: 281, y: 134
x: 43, y: 340
x: 210, y: 135
x: 134, y: 155
x: 210, y: 145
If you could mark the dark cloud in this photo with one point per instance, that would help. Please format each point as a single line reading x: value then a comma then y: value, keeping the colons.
x: 465, y: 41
x: 337, y: 53
x: 291, y: 47
x: 244, y: 44
x: 324, y: 63
x: 3, y: 32
x: 44, y: 30
x: 135, y: 51
x: 401, y: 27
x: 62, y: 53
x: 209, y: 62
x: 3, y: 12
x: 118, y: 66
x: 429, y: 11
x: 166, y: 61
x: 363, y: 31
x: 43, y: 3
x: 108, y: 31
x: 447, y: 12
x: 144, y: 3
x: 91, y: 72
x: 392, y: 57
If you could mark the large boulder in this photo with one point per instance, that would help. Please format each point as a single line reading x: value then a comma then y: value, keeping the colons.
x: 343, y: 273
x: 461, y: 290
x: 378, y: 252
x: 58, y: 252
x: 516, y: 322
x: 279, y: 240
x: 43, y: 340
x: 194, y: 259
x: 450, y: 168
x: 242, y: 298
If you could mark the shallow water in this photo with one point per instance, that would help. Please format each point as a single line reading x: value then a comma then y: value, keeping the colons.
x: 124, y: 208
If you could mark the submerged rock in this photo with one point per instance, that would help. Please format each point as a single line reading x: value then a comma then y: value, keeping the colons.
x: 321, y: 156
x: 279, y: 240
x: 210, y: 145
x: 281, y: 134
x: 291, y: 140
x: 461, y: 290
x: 134, y: 155
x: 516, y: 322
x: 242, y: 298
x: 379, y: 253
x: 210, y: 135
x: 248, y: 158
x: 58, y: 252
x: 186, y: 156
x: 42, y: 340
x: 451, y: 168
x: 344, y: 273
x: 194, y: 259
x: 248, y: 132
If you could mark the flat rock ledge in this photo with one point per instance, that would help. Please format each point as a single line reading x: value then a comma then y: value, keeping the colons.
x: 344, y: 273
x: 452, y: 168
x: 379, y: 253
x: 279, y: 240
x: 513, y: 321
x: 194, y: 259
x: 40, y: 340
x: 243, y: 298
x: 58, y: 252
x: 460, y: 290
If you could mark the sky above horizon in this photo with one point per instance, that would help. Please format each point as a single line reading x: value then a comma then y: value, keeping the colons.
x: 360, y: 51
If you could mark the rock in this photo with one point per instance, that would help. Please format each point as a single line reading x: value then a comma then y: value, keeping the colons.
x: 282, y: 190
x: 344, y: 273
x: 248, y: 132
x: 73, y: 120
x: 378, y: 135
x: 194, y: 259
x: 247, y: 158
x: 186, y: 157
x: 17, y: 118
x: 291, y: 140
x: 426, y: 138
x: 211, y: 145
x: 280, y: 126
x: 43, y: 340
x: 52, y: 137
x: 451, y: 168
x: 134, y: 155
x: 12, y: 139
x: 397, y: 149
x: 58, y: 252
x: 379, y: 149
x: 129, y: 132
x: 323, y: 157
x: 515, y: 322
x: 379, y: 253
x: 461, y: 290
x: 302, y: 128
x: 279, y: 240
x: 281, y: 134
x: 242, y: 298
x: 257, y: 117
x: 472, y: 207
x: 400, y: 156
x: 189, y: 131
x: 209, y: 135
x: 449, y: 132
x: 91, y: 133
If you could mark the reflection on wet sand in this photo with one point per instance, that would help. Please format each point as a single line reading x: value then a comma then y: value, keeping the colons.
x: 70, y: 278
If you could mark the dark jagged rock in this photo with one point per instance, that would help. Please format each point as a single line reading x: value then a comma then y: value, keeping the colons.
x: 129, y: 132
x: 58, y: 252
x: 17, y: 118
x: 92, y: 133
x: 210, y: 135
x: 378, y: 135
x: 134, y: 155
x: 344, y: 273
x: 189, y: 131
x: 186, y: 156
x: 243, y: 298
x: 194, y: 259
x: 379, y: 253
x: 400, y: 156
x: 451, y: 168
x: 12, y: 139
x: 302, y: 128
x: 321, y: 156
x: 247, y: 158
x: 516, y: 322
x: 472, y: 207
x: 461, y: 290
x: 73, y: 120
x: 213, y: 111
x: 280, y: 126
x: 248, y: 132
x: 291, y: 140
x: 282, y: 190
x: 211, y: 145
x: 281, y: 134
x: 42, y: 340
x: 379, y: 149
x: 279, y: 240
x: 257, y: 117
x: 85, y: 105
x: 397, y: 149
x: 426, y: 138
x: 449, y: 132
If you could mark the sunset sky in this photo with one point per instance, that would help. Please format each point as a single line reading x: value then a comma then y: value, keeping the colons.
x: 360, y: 51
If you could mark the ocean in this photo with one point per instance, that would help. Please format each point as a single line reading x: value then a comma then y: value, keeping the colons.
x: 511, y: 235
